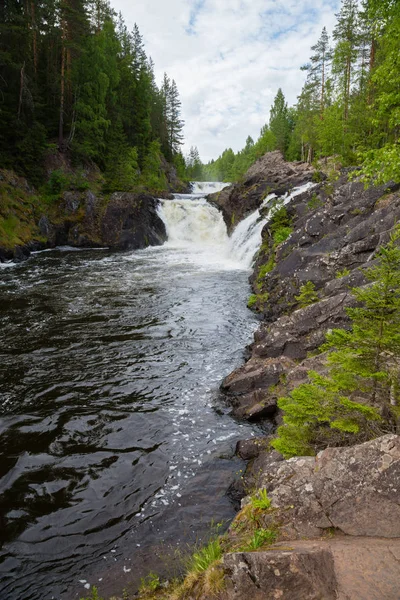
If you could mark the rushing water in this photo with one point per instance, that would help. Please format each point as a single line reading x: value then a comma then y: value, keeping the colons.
x: 113, y: 441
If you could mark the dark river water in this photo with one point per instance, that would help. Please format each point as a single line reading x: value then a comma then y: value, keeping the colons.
x: 114, y: 444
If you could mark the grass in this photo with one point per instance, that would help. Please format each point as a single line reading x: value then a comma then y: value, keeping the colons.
x: 252, y: 301
x: 260, y: 538
x: 150, y: 583
x: 260, y: 500
x: 201, y: 560
x: 314, y: 202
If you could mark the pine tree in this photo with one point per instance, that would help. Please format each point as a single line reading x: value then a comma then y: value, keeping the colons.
x: 319, y: 64
x: 346, y: 34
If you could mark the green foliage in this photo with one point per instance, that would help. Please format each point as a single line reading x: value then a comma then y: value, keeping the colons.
x: 359, y: 398
x: 261, y: 537
x: 206, y: 556
x: 58, y: 182
x: 343, y: 273
x: 81, y: 77
x: 258, y: 300
x: 252, y: 300
x: 307, y: 295
x: 266, y: 268
x: 279, y: 122
x: 153, y: 176
x: 260, y: 500
x: 314, y: 202
x: 150, y: 583
x: 349, y: 105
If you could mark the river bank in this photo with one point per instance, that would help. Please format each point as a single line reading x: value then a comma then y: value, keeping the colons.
x: 72, y: 209
x: 328, y: 230
x: 304, y: 521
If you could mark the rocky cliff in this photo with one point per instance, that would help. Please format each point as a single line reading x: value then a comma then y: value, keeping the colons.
x: 335, y: 515
x: 270, y: 174
x: 77, y: 217
x: 333, y: 230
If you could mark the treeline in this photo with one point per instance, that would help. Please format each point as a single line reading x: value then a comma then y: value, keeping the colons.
x: 73, y: 79
x: 349, y: 106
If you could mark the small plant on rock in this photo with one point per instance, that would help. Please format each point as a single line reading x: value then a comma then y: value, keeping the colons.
x: 343, y: 273
x: 151, y: 583
x: 261, y: 537
x: 260, y: 500
x: 307, y: 295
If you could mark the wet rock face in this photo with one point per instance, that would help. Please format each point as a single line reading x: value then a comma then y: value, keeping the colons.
x: 355, y: 490
x: 269, y: 174
x: 131, y: 222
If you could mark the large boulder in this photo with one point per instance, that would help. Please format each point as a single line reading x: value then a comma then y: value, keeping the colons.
x: 302, y: 574
x: 355, y: 490
x: 131, y: 222
x: 339, y: 567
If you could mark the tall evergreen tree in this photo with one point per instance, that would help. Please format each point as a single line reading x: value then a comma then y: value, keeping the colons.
x: 279, y: 122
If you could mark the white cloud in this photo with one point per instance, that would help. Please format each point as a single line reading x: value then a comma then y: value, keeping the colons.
x: 229, y: 57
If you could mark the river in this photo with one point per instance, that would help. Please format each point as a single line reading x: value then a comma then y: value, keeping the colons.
x: 114, y: 443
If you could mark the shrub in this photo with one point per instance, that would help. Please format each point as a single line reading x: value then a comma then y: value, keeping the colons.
x: 252, y: 300
x: 314, y: 202
x: 307, y: 295
x: 150, y: 583
x: 343, y: 273
x: 58, y: 182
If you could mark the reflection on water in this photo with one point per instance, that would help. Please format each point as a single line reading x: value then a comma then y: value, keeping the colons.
x: 109, y: 370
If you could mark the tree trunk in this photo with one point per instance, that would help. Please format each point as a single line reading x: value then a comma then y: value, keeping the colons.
x: 62, y: 95
x: 21, y: 89
x: 34, y: 36
x: 347, y: 90
x: 322, y: 89
x: 371, y: 67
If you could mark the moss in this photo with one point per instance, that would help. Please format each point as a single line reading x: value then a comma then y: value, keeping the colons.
x: 266, y: 268
x: 252, y: 301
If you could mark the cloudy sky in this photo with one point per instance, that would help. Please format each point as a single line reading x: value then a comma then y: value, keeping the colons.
x: 228, y: 58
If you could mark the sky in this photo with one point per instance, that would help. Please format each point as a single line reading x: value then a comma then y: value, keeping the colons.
x: 228, y: 58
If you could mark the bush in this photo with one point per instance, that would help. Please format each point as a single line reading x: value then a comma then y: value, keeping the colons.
x: 58, y: 182
x: 307, y: 295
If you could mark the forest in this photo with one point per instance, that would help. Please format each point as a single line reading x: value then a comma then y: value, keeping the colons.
x: 75, y: 81
x: 348, y: 108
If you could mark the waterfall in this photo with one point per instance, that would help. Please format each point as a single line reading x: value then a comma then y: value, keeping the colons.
x: 207, y: 187
x: 193, y: 223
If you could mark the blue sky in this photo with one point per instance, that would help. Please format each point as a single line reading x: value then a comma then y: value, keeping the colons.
x: 228, y: 58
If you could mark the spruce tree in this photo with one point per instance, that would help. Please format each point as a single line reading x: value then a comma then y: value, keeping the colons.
x: 359, y: 398
x: 279, y: 122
